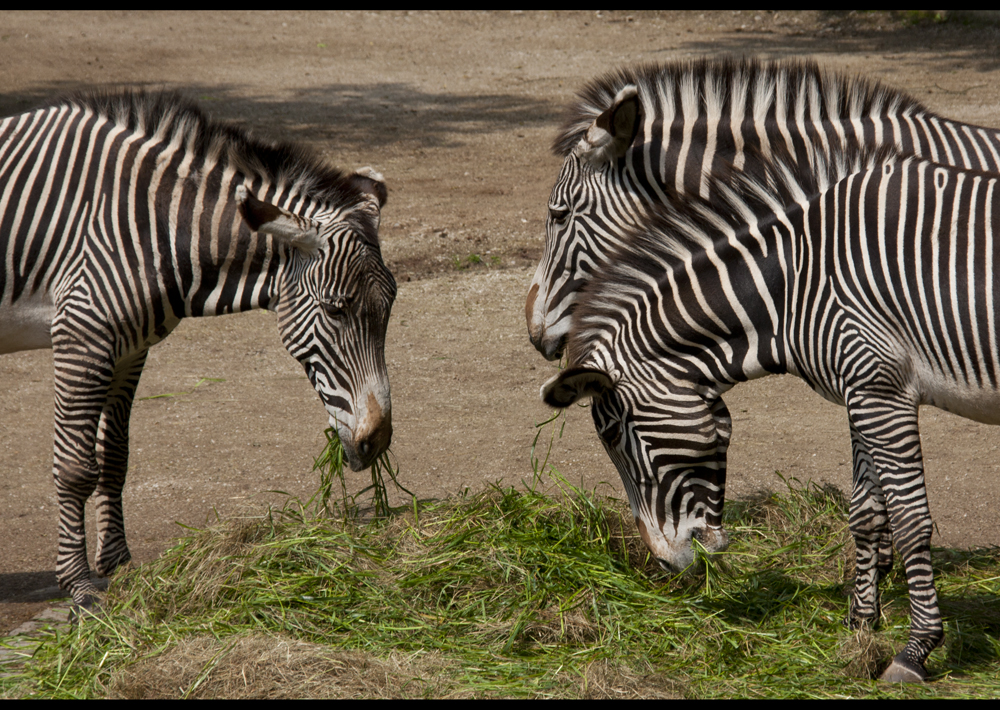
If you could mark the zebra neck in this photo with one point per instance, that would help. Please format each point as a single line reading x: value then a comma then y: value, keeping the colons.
x: 708, y: 331
x: 218, y: 265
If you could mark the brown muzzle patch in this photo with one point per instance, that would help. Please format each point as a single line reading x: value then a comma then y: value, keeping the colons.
x: 377, y: 428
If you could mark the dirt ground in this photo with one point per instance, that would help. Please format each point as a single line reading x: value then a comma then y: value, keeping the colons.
x: 458, y: 111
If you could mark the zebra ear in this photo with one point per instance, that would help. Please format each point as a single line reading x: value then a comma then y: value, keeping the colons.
x: 574, y: 384
x: 263, y: 217
x: 372, y: 184
x: 613, y: 131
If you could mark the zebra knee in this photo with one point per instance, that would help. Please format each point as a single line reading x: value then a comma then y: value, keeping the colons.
x: 885, y: 557
x: 912, y: 538
x: 112, y: 556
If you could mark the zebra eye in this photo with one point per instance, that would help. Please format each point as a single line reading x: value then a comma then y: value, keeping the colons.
x: 334, y: 307
x: 558, y: 214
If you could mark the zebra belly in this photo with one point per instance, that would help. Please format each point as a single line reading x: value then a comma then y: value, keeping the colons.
x: 981, y: 404
x: 26, y: 325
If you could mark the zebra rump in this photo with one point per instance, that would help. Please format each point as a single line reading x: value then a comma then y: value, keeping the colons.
x: 871, y: 277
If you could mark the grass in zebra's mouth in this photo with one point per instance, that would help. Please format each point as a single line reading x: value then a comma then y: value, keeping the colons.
x: 330, y: 464
x: 511, y: 592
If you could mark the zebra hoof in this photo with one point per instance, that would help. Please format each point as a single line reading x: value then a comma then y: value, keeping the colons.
x: 903, y: 671
x: 89, y: 604
x: 106, y: 565
x: 867, y: 622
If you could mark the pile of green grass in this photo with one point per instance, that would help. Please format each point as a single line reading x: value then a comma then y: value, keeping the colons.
x: 512, y: 592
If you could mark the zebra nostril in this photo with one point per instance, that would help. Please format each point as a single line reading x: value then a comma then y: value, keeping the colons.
x: 365, y: 447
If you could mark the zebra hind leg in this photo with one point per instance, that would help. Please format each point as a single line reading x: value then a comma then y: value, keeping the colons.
x: 888, y: 427
x: 869, y: 524
x: 112, y: 457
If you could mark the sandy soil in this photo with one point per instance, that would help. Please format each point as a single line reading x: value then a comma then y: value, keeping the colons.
x: 458, y: 111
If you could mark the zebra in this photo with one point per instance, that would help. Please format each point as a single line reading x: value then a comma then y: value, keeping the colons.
x: 123, y: 212
x: 872, y: 278
x: 641, y: 135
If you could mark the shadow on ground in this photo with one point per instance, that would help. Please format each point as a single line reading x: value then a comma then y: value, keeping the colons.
x: 364, y: 114
x: 958, y: 43
x: 20, y: 587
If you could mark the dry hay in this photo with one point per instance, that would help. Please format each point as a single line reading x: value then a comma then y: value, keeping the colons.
x: 554, y: 626
x: 263, y: 667
x: 866, y: 654
x: 605, y: 680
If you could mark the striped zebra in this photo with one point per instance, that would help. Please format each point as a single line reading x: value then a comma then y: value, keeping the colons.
x: 880, y: 290
x: 122, y: 213
x: 641, y: 135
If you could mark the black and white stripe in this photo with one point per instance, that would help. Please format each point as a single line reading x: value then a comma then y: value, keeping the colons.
x: 879, y: 290
x: 641, y: 136
x: 122, y: 213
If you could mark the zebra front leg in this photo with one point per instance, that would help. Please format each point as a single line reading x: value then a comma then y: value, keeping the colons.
x: 723, y: 426
x: 112, y: 458
x: 724, y: 432
x: 888, y: 428
x: 81, y: 384
x: 869, y: 524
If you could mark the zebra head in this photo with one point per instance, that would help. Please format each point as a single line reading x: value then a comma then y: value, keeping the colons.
x: 591, y: 205
x: 666, y: 447
x: 333, y: 303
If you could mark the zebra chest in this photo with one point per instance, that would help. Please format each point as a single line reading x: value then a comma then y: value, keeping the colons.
x: 26, y: 324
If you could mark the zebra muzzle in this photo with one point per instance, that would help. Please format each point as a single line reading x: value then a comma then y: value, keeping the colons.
x: 371, y: 438
x: 677, y: 554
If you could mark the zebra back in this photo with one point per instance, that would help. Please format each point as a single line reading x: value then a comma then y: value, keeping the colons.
x: 696, y: 116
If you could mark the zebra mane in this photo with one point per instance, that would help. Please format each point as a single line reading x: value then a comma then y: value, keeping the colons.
x: 169, y: 113
x: 681, y: 229
x: 717, y: 83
